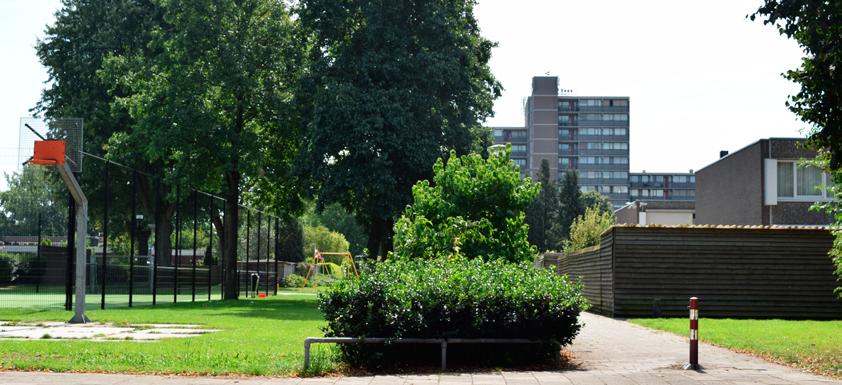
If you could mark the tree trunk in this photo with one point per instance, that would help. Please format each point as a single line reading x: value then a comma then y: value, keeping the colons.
x: 231, y: 225
x: 375, y: 238
x: 380, y: 237
x: 163, y: 230
x: 388, y: 235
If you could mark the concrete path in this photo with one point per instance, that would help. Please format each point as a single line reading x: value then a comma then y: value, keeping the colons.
x: 607, y: 352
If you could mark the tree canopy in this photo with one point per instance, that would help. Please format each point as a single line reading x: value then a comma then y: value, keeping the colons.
x: 210, y: 97
x: 545, y: 229
x: 595, y: 199
x: 32, y: 192
x: 817, y: 27
x: 474, y: 207
x: 391, y: 86
x: 587, y: 229
x: 571, y: 202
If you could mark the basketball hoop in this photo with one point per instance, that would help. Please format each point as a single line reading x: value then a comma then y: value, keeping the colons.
x: 52, y: 152
x: 48, y: 153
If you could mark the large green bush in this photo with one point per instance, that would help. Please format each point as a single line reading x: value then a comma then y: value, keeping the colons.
x: 451, y: 297
x: 474, y: 207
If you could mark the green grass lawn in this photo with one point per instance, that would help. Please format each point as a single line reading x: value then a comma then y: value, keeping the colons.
x: 257, y: 337
x: 812, y: 345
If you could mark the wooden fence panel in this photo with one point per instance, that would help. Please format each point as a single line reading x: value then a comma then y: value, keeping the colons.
x: 739, y: 272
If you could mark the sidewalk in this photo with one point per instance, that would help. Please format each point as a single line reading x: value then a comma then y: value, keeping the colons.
x: 607, y: 351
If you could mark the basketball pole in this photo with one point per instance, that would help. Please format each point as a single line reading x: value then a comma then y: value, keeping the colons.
x: 79, y: 316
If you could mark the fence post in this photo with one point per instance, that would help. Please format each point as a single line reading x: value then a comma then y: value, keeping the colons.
x: 195, y: 222
x: 694, y: 334
x: 106, y: 198
x: 248, y: 239
x: 276, y: 256
x: 157, y: 218
x: 268, y: 250
x: 222, y: 276
x: 259, y: 222
x: 211, y: 234
x: 177, y: 243
x: 132, y: 236
x: 38, y: 258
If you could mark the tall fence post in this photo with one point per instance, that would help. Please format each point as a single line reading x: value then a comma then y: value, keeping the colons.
x: 106, y: 198
x: 277, y: 281
x: 248, y: 239
x: 132, y: 236
x: 222, y: 275
x: 38, y: 258
x: 257, y: 263
x: 177, y: 243
x: 195, y: 228
x: 268, y: 251
x: 209, y: 253
x: 157, y: 252
x: 694, y: 334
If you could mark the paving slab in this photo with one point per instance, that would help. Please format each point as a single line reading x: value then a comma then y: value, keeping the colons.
x: 97, y: 331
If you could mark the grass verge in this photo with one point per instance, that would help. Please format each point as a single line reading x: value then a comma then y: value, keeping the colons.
x: 815, y: 346
x: 257, y: 337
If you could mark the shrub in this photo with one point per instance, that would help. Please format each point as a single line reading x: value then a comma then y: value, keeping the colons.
x: 474, y: 207
x: 587, y: 229
x: 7, y: 267
x: 451, y: 297
x: 30, y: 270
x: 301, y: 268
x: 295, y: 280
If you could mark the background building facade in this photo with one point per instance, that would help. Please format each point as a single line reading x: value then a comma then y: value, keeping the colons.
x: 645, y: 186
x: 762, y: 184
x: 588, y: 134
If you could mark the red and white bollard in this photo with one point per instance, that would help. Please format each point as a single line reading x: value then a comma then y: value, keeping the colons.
x: 694, y: 334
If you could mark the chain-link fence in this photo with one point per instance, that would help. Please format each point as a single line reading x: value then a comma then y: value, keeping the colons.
x: 147, y: 242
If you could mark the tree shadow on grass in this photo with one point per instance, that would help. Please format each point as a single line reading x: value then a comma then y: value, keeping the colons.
x: 284, y: 310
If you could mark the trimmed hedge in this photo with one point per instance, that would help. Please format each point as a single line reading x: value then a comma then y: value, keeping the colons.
x: 448, y: 298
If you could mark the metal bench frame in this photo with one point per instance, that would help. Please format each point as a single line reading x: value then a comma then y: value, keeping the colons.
x: 441, y: 341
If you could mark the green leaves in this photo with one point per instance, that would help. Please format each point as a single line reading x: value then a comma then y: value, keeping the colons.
x: 392, y: 86
x: 474, y: 207
x: 451, y: 297
x: 587, y: 229
x: 817, y: 27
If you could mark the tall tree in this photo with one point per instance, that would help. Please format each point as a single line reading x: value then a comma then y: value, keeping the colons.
x: 84, y: 34
x: 571, y: 202
x: 595, y: 199
x: 817, y: 27
x: 393, y: 85
x: 336, y: 218
x: 212, y: 99
x: 32, y: 192
x: 545, y: 231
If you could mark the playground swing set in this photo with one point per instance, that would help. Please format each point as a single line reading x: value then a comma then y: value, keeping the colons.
x: 318, y: 263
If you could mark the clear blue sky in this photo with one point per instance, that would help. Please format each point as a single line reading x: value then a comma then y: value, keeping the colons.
x: 701, y: 77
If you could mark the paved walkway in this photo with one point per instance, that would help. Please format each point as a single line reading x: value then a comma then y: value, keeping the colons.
x: 607, y: 351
